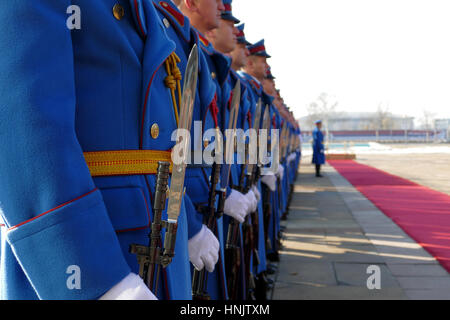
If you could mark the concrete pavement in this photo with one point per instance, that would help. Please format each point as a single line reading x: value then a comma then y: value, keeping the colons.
x: 334, y: 234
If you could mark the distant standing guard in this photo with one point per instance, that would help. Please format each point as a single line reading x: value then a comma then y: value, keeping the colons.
x: 318, y: 149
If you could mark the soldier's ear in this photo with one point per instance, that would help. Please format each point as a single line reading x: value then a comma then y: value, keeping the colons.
x: 210, y: 35
x: 250, y: 62
x: 191, y: 4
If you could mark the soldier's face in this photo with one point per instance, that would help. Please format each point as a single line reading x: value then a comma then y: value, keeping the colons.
x: 279, y: 103
x: 269, y: 87
x: 260, y: 66
x: 210, y: 11
x: 240, y: 55
x: 225, y: 36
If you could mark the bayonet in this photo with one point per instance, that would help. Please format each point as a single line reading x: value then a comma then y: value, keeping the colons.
x: 185, y: 122
x: 232, y: 121
x: 153, y: 257
x: 255, y: 125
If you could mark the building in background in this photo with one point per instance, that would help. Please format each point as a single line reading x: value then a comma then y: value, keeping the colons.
x: 442, y: 124
x: 360, y: 121
x: 374, y: 126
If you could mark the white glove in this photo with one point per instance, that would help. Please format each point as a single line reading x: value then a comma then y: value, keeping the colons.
x: 291, y: 157
x: 270, y: 180
x: 236, y: 206
x: 256, y: 192
x: 280, y: 171
x: 204, y: 249
x: 132, y: 287
x: 252, y: 201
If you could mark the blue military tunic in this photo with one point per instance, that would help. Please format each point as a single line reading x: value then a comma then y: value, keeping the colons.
x: 256, y: 92
x: 198, y: 179
x: 318, y: 148
x: 180, y: 31
x: 64, y: 93
x: 242, y: 123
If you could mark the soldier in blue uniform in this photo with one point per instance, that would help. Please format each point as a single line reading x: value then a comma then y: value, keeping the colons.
x: 202, y: 248
x: 318, y: 148
x: 236, y: 204
x: 223, y: 40
x: 254, y: 73
x: 71, y: 99
x: 240, y: 58
x: 269, y: 87
x: 251, y: 265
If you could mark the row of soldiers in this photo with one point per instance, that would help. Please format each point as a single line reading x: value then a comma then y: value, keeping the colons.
x: 86, y: 125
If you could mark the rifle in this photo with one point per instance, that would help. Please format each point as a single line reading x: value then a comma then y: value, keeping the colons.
x: 234, y: 259
x: 152, y: 257
x: 266, y: 193
x: 200, y: 278
x: 149, y: 257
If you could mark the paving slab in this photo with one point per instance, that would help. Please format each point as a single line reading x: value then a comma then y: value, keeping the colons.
x: 334, y: 234
x: 356, y: 274
x: 309, y: 273
x: 417, y: 270
x: 426, y: 282
x: 423, y: 294
x: 312, y: 292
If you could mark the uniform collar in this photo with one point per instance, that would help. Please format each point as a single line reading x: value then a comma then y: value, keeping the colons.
x: 179, y: 22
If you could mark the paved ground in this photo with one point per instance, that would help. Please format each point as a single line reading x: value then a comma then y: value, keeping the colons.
x: 430, y: 170
x: 334, y: 234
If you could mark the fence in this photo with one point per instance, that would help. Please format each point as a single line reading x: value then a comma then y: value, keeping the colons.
x: 384, y: 135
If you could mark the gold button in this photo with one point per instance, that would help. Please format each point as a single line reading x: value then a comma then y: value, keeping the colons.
x: 205, y: 143
x: 118, y: 11
x: 154, y: 131
x: 213, y: 75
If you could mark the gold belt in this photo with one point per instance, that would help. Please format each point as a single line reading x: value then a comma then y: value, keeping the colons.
x: 125, y: 162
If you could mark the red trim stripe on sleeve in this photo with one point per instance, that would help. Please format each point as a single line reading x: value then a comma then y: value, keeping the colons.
x: 51, y: 210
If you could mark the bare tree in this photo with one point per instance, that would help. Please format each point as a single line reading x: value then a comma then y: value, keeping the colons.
x: 383, y: 118
x: 427, y: 120
x: 322, y: 109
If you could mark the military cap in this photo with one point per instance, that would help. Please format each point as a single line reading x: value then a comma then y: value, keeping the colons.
x: 270, y: 76
x: 241, y: 35
x: 258, y: 49
x: 228, y: 13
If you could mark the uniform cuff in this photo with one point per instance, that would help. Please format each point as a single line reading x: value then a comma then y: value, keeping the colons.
x: 71, y: 252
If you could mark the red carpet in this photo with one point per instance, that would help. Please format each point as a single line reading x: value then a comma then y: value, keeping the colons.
x: 423, y: 213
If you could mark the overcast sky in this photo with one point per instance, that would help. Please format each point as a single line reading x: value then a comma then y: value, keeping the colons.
x: 360, y: 52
